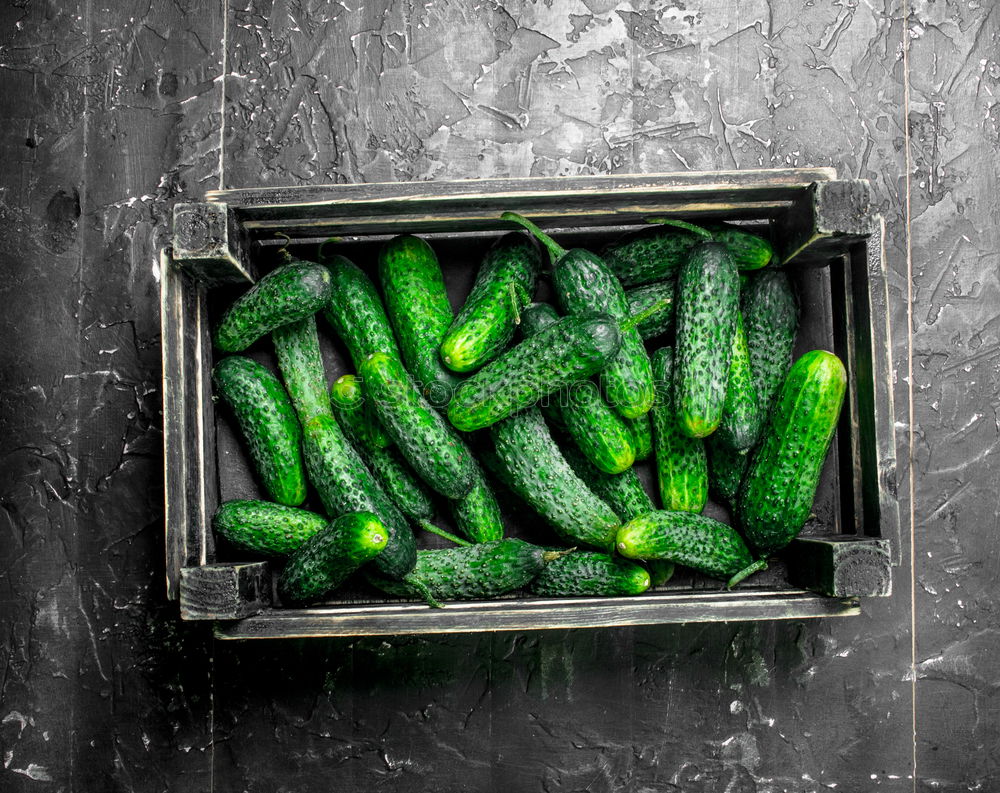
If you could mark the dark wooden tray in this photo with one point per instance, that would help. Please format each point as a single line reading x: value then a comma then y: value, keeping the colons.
x: 827, y: 236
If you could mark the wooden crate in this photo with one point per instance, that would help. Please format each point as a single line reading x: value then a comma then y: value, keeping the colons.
x: 823, y: 229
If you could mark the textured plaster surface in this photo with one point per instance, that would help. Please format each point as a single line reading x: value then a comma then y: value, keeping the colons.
x: 113, y: 111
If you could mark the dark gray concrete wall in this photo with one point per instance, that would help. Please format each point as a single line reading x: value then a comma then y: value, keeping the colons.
x: 114, y: 111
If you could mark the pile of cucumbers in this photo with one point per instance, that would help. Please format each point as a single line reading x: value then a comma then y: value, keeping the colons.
x: 673, y: 345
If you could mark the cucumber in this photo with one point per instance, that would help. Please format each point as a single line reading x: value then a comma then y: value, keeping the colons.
x: 623, y: 492
x: 265, y: 527
x: 419, y: 311
x: 301, y: 366
x: 589, y: 573
x: 357, y: 414
x: 741, y: 411
x: 660, y: 571
x: 288, y: 293
x: 681, y: 463
x: 707, y: 307
x: 420, y: 433
x: 642, y: 433
x: 770, y: 320
x: 780, y: 486
x: 268, y: 424
x: 657, y: 253
x: 326, y: 559
x: 345, y: 484
x: 535, y: 469
x: 504, y: 285
x: 641, y: 298
x: 581, y: 412
x: 477, y: 516
x: 356, y: 313
x: 726, y: 469
x: 472, y: 572
x: 696, y: 541
x: 568, y: 351
x: 365, y: 432
x: 584, y: 284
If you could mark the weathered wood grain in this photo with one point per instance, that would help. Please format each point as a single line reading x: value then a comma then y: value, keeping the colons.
x: 841, y: 566
x: 224, y: 591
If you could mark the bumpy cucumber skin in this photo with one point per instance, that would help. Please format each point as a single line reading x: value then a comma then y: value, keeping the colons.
x: 651, y: 254
x: 356, y: 313
x: 268, y: 424
x: 780, y: 486
x: 265, y: 527
x: 583, y: 283
x: 749, y: 251
x: 770, y: 321
x: 345, y: 484
x: 418, y: 308
x: 707, y: 306
x: 580, y: 410
x: 589, y: 573
x: 473, y: 572
x: 642, y: 433
x: 301, y: 366
x: 477, y: 516
x: 645, y: 297
x: 357, y: 414
x: 570, y: 350
x: 623, y: 492
x: 535, y: 469
x: 288, y: 293
x: 420, y: 433
x: 504, y: 285
x: 696, y: 541
x: 681, y: 462
x: 741, y: 411
x: 726, y: 469
x: 324, y: 561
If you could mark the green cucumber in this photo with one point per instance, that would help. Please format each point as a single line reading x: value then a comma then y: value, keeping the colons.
x: 749, y: 251
x: 584, y: 284
x: 356, y: 313
x: 288, y: 293
x: 708, y: 298
x: 357, y: 414
x: 770, y: 320
x: 504, y: 285
x: 660, y: 571
x: 326, y: 559
x: 268, y: 424
x: 696, y: 541
x: 623, y: 492
x: 642, y: 433
x: 741, y: 412
x: 477, y: 516
x: 418, y: 308
x: 726, y: 469
x: 265, y: 527
x: 590, y: 573
x: 472, y: 572
x: 345, y: 484
x: 301, y: 367
x: 420, y: 433
x: 780, y: 486
x: 568, y: 351
x: 580, y: 410
x: 681, y: 464
x: 641, y: 298
x: 535, y: 469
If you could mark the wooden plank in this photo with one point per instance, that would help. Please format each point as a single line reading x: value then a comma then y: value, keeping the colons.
x: 210, y: 244
x: 840, y: 566
x: 224, y: 591
x: 537, y: 614
x: 824, y: 221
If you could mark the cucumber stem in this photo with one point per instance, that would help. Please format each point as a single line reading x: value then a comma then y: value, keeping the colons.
x: 756, y: 567
x: 682, y: 224
x: 556, y: 251
x: 422, y: 588
x: 551, y: 556
x: 646, y: 313
x: 283, y: 250
x: 426, y: 525
x: 323, y: 244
